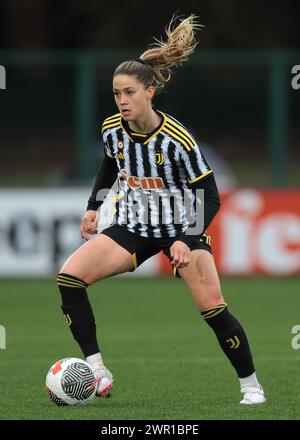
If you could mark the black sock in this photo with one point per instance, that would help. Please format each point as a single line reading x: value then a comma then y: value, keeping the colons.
x: 232, y: 338
x: 78, y: 312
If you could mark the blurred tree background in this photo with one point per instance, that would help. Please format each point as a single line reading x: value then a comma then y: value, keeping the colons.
x: 225, y: 105
x: 96, y: 24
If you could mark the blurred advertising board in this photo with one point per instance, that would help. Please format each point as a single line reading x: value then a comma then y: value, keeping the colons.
x: 256, y: 232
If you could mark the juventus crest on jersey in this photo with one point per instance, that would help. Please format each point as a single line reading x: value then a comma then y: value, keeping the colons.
x: 155, y: 170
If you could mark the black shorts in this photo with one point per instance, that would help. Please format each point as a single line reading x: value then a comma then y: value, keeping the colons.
x: 142, y: 248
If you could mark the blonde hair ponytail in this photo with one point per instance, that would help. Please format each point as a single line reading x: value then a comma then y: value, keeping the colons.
x: 181, y: 42
x: 154, y: 67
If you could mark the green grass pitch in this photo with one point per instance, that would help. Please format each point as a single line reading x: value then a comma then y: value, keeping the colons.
x: 165, y: 359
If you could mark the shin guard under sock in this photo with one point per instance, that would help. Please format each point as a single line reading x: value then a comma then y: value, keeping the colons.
x: 232, y: 338
x: 78, y: 312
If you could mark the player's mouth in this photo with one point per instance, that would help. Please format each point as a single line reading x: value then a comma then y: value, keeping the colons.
x: 125, y: 112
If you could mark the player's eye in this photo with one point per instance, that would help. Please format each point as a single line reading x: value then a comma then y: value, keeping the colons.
x: 130, y: 92
x: 115, y: 93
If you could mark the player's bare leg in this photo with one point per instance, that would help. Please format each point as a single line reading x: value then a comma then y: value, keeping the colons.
x: 203, y: 282
x: 98, y: 258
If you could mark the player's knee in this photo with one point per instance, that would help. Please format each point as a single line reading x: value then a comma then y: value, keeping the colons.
x: 70, y: 281
x: 215, y: 295
x: 208, y: 297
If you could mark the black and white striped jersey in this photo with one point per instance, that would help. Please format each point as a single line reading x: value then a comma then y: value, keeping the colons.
x: 155, y: 170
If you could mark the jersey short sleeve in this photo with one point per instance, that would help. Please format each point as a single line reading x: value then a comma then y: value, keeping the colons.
x: 108, y: 126
x: 191, y: 158
x: 107, y: 150
x: 194, y: 163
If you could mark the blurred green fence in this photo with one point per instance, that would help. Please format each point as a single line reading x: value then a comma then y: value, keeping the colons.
x: 240, y: 102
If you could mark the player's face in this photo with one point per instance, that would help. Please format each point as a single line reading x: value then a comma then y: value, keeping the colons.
x: 132, y: 99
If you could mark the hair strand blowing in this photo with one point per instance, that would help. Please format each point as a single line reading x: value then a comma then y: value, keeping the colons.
x: 157, y: 62
x: 181, y: 43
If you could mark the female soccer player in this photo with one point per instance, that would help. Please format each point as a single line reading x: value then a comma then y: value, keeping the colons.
x: 159, y: 168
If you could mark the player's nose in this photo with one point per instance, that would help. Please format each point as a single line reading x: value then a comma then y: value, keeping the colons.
x: 123, y: 100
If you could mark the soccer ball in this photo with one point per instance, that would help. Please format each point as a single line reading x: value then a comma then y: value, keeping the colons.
x: 71, y: 381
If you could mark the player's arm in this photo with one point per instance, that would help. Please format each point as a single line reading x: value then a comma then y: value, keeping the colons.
x: 199, y: 176
x: 181, y: 251
x: 211, y: 201
x: 105, y: 178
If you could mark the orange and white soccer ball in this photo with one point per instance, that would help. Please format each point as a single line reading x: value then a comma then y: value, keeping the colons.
x: 71, y: 381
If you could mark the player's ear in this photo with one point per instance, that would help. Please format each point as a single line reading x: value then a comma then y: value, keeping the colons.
x: 151, y: 92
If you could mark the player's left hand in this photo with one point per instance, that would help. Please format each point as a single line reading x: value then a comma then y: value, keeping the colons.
x: 89, y: 224
x: 180, y: 253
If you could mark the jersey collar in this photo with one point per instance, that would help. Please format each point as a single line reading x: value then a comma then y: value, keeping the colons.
x: 143, y: 138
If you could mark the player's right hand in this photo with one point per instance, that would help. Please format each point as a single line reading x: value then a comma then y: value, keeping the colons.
x: 180, y: 253
x: 89, y: 224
